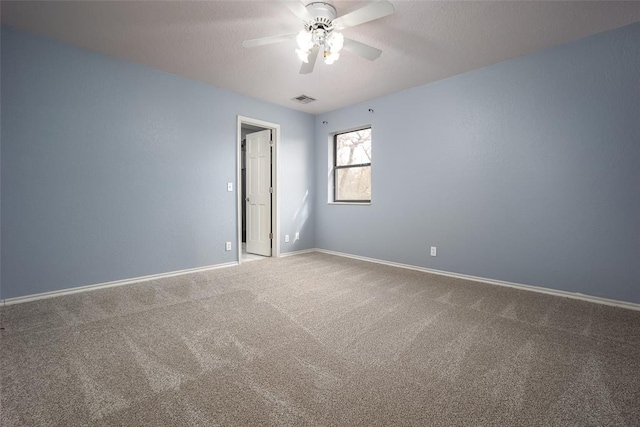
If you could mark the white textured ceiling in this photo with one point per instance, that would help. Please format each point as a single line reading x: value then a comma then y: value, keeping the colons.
x: 423, y: 41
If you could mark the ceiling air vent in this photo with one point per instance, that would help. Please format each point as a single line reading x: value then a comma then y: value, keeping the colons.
x: 303, y: 99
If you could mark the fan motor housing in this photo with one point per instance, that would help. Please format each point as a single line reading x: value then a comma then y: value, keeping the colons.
x: 323, y: 14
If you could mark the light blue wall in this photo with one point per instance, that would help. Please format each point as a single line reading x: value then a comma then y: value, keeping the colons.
x: 0, y: 164
x: 112, y: 170
x: 525, y: 171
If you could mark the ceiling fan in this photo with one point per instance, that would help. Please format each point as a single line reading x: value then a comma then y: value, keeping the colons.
x: 320, y: 34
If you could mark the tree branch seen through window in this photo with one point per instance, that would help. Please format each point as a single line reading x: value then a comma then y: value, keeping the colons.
x: 352, y: 166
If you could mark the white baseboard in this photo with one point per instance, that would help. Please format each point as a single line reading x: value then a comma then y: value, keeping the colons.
x: 52, y: 294
x: 583, y: 297
x: 304, y: 251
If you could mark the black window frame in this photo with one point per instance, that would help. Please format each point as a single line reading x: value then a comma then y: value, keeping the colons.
x: 336, y: 167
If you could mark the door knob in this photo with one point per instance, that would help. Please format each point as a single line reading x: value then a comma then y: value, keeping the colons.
x: 247, y: 199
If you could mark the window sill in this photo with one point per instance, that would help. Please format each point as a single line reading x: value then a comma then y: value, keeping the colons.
x: 350, y: 203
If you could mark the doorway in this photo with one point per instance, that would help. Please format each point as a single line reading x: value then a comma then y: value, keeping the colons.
x: 258, y: 220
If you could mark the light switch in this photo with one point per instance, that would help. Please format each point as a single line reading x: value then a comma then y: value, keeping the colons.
x: 229, y: 186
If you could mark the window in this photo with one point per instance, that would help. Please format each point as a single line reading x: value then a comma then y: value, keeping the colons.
x: 352, y: 166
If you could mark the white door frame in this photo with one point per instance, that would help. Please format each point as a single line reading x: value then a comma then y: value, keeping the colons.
x: 275, y: 200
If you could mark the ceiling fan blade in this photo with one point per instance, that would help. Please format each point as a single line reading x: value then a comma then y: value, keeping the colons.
x: 299, y: 10
x: 364, y: 50
x: 370, y: 12
x: 307, y: 67
x: 268, y: 40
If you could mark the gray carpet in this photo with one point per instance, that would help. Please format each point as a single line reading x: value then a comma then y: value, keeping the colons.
x: 318, y: 340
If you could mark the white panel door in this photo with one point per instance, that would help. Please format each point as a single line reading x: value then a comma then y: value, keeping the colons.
x: 258, y: 202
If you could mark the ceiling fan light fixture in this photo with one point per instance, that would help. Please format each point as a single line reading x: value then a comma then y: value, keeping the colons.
x: 331, y: 58
x: 335, y: 40
x: 320, y: 21
x: 303, y: 55
x: 305, y: 40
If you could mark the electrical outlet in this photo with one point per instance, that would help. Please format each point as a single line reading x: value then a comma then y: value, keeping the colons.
x: 229, y: 186
x: 228, y: 246
x: 297, y: 236
x: 286, y: 238
x: 433, y: 251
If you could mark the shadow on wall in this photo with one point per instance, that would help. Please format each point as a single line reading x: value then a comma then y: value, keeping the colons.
x: 301, y: 215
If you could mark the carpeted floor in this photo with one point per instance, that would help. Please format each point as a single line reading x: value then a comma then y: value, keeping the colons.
x: 318, y: 340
